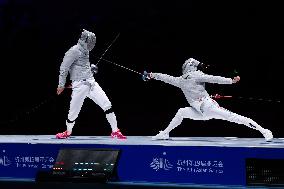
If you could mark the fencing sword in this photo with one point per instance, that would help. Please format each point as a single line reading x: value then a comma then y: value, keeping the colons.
x: 116, y: 37
x: 236, y: 72
x: 218, y: 96
x: 144, y: 75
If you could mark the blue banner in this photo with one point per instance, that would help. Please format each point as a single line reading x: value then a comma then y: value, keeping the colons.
x: 176, y: 164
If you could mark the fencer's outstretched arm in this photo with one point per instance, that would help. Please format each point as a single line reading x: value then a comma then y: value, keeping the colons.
x: 70, y: 56
x: 175, y: 81
x: 202, y: 77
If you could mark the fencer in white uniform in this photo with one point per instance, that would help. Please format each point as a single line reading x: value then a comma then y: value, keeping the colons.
x: 202, y: 107
x: 76, y: 62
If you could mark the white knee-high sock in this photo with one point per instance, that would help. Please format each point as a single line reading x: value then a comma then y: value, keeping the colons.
x: 245, y: 121
x: 70, y: 127
x: 252, y: 124
x: 176, y: 121
x: 111, y: 118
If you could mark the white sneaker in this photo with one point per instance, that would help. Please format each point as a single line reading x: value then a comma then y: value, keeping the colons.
x: 161, y: 136
x: 267, y: 135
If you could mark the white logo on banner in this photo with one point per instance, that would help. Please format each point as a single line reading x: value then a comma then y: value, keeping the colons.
x: 189, y: 166
x: 4, y: 161
x: 161, y: 163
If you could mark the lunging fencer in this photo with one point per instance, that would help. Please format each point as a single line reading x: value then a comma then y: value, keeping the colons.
x: 202, y: 107
x: 76, y: 63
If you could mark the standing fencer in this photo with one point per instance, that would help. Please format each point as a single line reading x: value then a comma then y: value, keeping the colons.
x: 202, y: 107
x: 76, y: 62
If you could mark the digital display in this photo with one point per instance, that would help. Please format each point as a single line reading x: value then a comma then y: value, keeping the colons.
x: 82, y: 161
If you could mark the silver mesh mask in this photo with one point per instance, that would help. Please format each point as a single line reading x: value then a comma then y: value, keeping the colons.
x: 190, y: 65
x: 88, y: 40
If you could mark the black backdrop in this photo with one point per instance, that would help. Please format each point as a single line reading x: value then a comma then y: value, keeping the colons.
x: 158, y: 36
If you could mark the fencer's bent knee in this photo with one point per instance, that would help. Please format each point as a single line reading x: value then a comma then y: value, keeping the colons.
x: 69, y: 121
x: 109, y: 110
x: 181, y: 112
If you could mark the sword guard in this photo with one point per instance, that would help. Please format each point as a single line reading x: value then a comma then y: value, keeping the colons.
x: 145, y: 76
x: 217, y: 96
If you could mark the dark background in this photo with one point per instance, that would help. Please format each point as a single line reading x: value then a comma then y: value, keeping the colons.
x: 157, y: 36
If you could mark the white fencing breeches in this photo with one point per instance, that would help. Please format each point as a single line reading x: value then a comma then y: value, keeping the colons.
x: 91, y: 89
x: 209, y: 109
